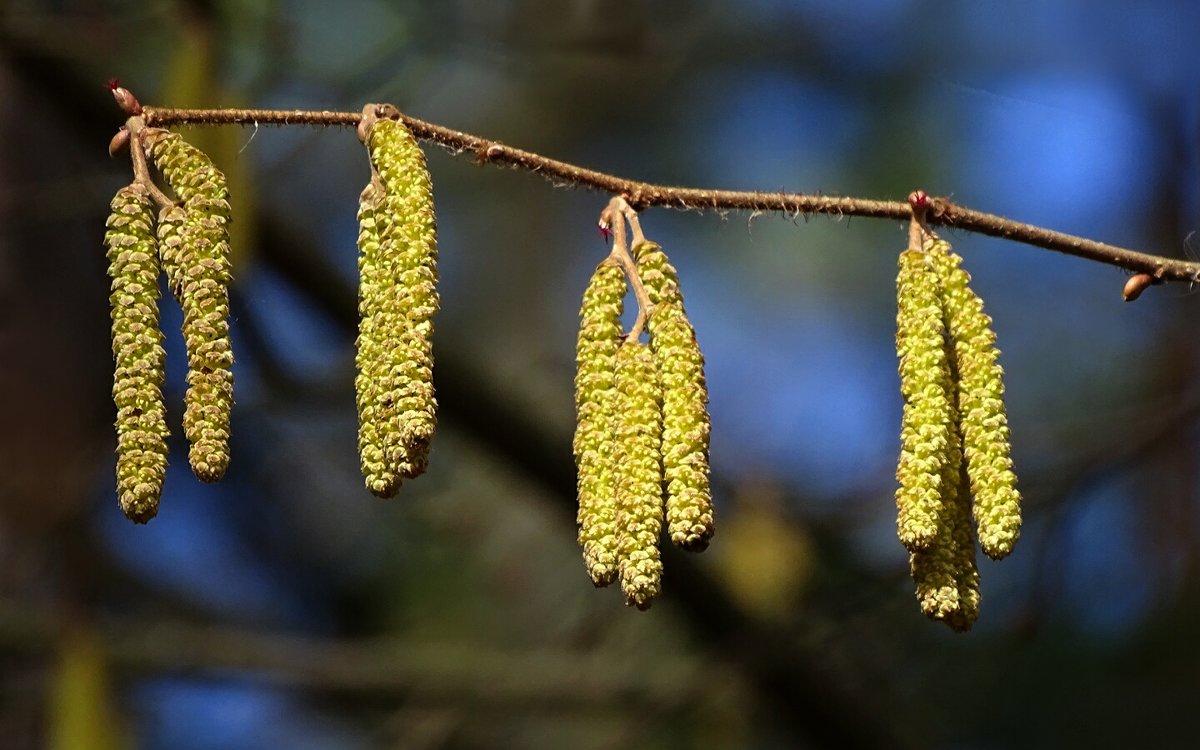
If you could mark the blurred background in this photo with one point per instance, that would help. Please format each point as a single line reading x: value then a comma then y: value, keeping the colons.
x: 287, y: 607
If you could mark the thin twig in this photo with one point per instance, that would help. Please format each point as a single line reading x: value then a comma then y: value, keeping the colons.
x: 641, y: 195
x: 613, y: 217
x: 141, y: 168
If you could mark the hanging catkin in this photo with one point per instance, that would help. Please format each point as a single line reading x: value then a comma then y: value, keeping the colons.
x: 686, y: 427
x: 927, y: 428
x: 378, y: 430
x: 137, y: 354
x: 639, y: 473
x: 595, y: 445
x: 986, y: 447
x: 195, y: 255
x: 404, y: 298
x: 946, y: 577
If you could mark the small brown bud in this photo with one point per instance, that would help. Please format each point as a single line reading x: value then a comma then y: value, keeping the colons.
x: 119, y: 142
x: 363, y: 131
x: 1136, y: 285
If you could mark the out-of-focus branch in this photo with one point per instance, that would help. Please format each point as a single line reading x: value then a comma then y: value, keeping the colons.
x: 429, y: 673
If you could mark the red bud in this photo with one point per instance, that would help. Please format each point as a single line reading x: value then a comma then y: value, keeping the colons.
x: 125, y: 98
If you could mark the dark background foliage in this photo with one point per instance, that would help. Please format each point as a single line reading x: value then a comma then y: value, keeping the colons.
x: 285, y: 607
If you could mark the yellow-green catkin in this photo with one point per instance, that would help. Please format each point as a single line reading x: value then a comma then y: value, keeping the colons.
x: 407, y: 230
x: 195, y: 254
x: 686, y: 426
x: 595, y: 444
x: 945, y: 573
x: 137, y: 354
x: 984, y: 424
x: 638, y: 427
x: 927, y: 433
x: 373, y: 390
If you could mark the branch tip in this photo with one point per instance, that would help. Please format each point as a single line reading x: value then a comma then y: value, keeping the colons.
x: 124, y: 98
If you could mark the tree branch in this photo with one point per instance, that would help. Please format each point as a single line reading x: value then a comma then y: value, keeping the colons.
x: 641, y: 195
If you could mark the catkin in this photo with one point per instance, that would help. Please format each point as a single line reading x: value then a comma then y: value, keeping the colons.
x: 195, y: 256
x: 137, y: 354
x: 407, y: 298
x: 374, y: 394
x: 686, y: 426
x: 946, y: 577
x: 595, y: 408
x: 638, y: 473
x: 927, y: 432
x: 984, y: 424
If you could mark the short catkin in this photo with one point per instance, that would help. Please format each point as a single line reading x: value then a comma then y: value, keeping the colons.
x: 595, y: 443
x: 137, y: 354
x: 986, y: 445
x: 686, y: 425
x: 194, y: 243
x: 638, y: 473
x: 405, y: 299
x: 927, y: 432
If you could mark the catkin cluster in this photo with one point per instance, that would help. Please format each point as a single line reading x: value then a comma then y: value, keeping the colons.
x: 955, y: 459
x: 189, y: 240
x: 641, y: 438
x: 398, y: 298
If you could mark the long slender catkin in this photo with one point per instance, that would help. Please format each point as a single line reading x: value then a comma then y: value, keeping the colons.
x: 137, y: 354
x: 639, y: 473
x: 686, y: 425
x: 194, y: 240
x: 927, y: 432
x: 378, y: 431
x: 595, y: 444
x: 946, y: 577
x: 408, y: 298
x: 984, y: 423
